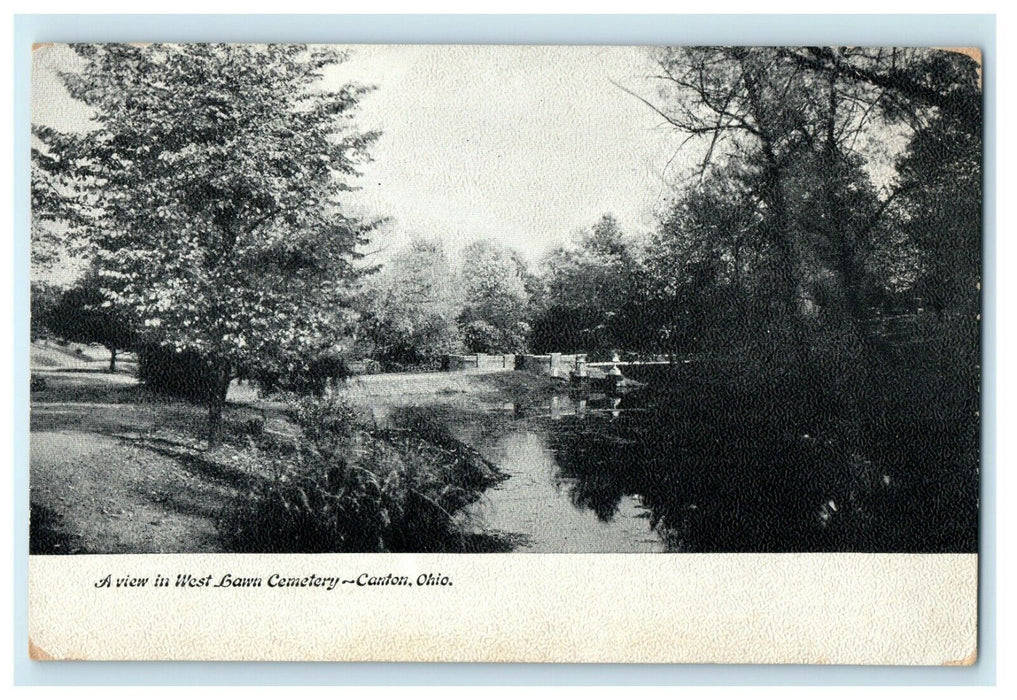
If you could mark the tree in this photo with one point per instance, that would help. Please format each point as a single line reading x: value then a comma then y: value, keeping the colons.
x: 49, y: 210
x: 908, y: 83
x: 84, y: 314
x: 791, y: 131
x: 412, y: 307
x: 494, y: 290
x: 702, y: 265
x: 941, y: 214
x: 587, y: 283
x: 44, y: 297
x: 210, y: 190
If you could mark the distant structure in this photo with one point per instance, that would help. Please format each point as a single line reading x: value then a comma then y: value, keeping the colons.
x: 554, y: 364
x: 480, y: 362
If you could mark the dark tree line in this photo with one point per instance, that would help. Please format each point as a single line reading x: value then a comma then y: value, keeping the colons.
x: 833, y: 188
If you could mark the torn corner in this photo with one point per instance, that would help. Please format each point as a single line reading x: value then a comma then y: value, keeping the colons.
x: 37, y: 653
x: 968, y: 660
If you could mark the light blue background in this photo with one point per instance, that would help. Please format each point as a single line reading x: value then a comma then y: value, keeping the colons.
x: 882, y: 30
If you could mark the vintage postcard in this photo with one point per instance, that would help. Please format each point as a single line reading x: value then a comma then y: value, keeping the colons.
x: 505, y: 353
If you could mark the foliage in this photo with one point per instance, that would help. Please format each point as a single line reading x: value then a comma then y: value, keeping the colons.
x: 941, y: 214
x: 494, y: 317
x: 310, y: 371
x: 210, y: 191
x: 412, y: 305
x: 85, y: 314
x: 352, y: 489
x: 183, y: 373
x: 43, y: 299
x: 585, y: 286
x: 786, y: 231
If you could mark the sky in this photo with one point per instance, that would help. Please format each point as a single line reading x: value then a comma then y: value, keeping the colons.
x: 520, y: 144
x: 523, y: 145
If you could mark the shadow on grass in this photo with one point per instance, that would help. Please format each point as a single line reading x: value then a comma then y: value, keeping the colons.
x: 46, y: 533
x: 91, y: 389
x: 194, y: 463
x: 89, y: 370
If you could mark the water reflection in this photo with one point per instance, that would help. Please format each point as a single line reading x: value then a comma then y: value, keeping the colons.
x: 574, y: 405
x: 538, y: 502
x: 749, y: 481
x: 652, y: 470
x: 541, y: 501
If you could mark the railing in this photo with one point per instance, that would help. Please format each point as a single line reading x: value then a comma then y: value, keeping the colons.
x: 553, y: 364
x: 481, y: 362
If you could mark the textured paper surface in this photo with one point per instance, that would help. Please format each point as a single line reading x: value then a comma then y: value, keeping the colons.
x: 720, y: 608
x: 914, y: 609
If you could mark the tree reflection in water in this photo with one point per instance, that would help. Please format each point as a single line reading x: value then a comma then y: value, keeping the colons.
x: 718, y: 474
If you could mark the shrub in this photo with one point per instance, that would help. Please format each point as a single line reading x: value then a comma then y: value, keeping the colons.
x: 305, y: 374
x: 481, y: 336
x: 349, y: 488
x: 184, y: 374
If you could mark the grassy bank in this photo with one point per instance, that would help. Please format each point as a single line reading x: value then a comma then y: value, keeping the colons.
x: 116, y: 468
x: 436, y: 387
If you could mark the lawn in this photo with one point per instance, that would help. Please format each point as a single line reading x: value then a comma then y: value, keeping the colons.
x: 115, y: 468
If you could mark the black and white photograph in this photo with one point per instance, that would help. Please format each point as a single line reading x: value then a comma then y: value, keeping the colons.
x: 465, y: 299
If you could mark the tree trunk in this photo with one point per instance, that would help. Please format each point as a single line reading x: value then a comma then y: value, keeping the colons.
x: 112, y: 360
x: 216, y: 404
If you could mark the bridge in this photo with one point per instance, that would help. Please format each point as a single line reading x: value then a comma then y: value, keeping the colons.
x: 553, y: 364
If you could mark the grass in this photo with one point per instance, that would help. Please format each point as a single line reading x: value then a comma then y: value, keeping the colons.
x: 445, y: 387
x: 116, y: 468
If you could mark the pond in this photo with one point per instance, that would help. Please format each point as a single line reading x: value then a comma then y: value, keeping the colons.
x: 540, y: 499
x: 670, y: 467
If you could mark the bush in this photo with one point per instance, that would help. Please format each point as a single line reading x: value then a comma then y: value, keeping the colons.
x: 185, y: 374
x: 481, y: 336
x: 349, y: 488
x: 305, y: 375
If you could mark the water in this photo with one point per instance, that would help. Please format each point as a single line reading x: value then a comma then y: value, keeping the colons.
x: 537, y: 501
x: 660, y: 469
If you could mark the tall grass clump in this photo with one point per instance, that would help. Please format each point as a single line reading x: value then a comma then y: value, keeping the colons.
x: 345, y: 486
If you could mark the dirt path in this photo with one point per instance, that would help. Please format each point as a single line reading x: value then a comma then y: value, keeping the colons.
x: 98, y: 494
x: 116, y: 469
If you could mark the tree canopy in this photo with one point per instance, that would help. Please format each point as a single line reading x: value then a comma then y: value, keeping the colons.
x: 586, y: 285
x: 411, y: 307
x: 84, y: 314
x: 210, y: 193
x: 792, y: 205
x: 494, y: 317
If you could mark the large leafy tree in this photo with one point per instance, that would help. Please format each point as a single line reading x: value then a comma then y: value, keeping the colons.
x: 494, y: 289
x: 209, y: 190
x: 587, y: 285
x: 795, y: 134
x: 412, y: 306
x: 84, y: 314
